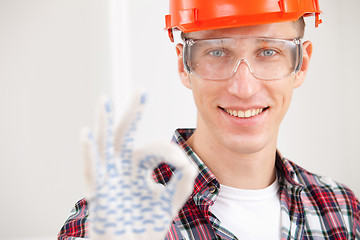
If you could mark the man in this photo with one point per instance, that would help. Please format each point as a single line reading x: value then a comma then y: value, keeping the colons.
x: 242, y: 60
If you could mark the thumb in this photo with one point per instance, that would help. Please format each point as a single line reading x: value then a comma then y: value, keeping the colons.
x: 181, y: 183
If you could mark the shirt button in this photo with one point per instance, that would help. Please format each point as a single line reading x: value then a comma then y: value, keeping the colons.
x: 212, y: 189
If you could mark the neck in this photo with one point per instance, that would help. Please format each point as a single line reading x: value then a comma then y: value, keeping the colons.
x: 254, y: 170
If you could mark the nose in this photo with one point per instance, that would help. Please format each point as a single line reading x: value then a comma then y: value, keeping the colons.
x: 243, y: 83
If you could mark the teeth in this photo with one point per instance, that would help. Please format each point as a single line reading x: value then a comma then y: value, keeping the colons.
x: 246, y: 114
x: 241, y: 114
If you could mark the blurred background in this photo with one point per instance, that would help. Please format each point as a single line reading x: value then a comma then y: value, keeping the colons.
x: 58, y: 56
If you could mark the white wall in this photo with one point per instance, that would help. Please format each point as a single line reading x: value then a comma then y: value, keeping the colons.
x: 54, y: 63
x: 58, y: 56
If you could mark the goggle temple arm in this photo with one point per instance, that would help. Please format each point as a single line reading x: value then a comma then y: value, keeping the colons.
x: 300, y: 57
x: 185, y: 56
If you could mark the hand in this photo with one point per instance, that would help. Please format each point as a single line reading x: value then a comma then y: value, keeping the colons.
x: 125, y: 202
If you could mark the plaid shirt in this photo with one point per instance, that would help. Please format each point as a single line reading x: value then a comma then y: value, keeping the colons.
x: 312, y: 207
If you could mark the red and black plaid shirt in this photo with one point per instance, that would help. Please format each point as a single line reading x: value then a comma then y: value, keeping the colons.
x: 312, y: 207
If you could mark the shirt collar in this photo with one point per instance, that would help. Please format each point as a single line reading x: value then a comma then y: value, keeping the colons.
x: 205, y: 178
x: 286, y: 170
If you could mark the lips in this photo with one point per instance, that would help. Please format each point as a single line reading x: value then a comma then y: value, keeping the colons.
x: 246, y: 113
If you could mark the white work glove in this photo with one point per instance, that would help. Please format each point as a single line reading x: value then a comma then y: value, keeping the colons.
x: 125, y: 203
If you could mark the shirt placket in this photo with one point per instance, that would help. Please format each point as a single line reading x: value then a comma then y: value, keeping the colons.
x: 209, y: 197
x: 292, y: 213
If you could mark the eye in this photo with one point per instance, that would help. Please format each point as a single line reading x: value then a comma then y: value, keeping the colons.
x: 267, y: 52
x: 217, y: 53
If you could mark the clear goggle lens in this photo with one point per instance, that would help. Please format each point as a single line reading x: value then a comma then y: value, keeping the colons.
x: 219, y: 59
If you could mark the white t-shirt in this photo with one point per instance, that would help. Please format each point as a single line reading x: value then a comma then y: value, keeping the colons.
x: 249, y: 214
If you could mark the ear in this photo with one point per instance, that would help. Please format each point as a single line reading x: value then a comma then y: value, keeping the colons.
x: 184, y: 75
x: 300, y: 76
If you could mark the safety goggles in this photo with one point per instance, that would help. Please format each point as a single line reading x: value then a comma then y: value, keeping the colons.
x: 219, y: 59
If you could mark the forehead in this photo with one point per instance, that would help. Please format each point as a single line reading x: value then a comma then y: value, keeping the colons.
x: 285, y: 30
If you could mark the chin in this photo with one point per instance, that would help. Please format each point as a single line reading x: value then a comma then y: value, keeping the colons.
x: 247, y: 148
x: 245, y: 145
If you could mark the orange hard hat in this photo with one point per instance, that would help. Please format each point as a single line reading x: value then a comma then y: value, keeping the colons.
x: 197, y: 15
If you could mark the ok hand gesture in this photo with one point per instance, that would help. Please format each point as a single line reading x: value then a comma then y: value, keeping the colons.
x: 125, y: 202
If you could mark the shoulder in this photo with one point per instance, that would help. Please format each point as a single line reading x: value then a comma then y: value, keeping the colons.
x: 329, y: 208
x: 322, y: 187
x: 327, y: 199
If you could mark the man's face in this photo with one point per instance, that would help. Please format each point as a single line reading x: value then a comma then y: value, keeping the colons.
x: 268, y: 99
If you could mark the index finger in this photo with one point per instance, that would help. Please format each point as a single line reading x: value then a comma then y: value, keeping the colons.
x: 149, y: 157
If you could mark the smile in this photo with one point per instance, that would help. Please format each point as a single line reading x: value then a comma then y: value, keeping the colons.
x: 245, y: 114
